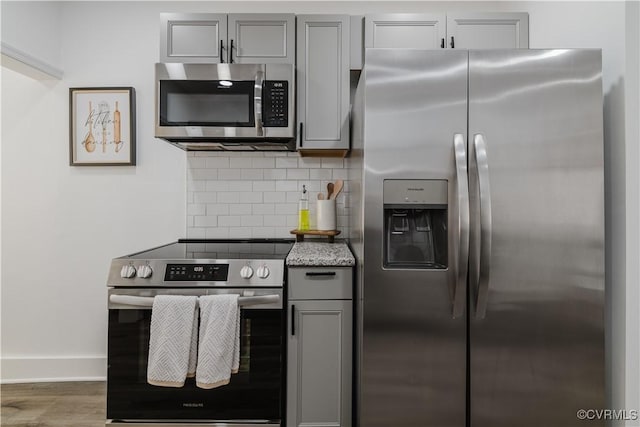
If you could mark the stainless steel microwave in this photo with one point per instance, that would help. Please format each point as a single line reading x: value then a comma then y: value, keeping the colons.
x: 226, y: 106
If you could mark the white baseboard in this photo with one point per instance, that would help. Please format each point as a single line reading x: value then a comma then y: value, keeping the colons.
x: 52, y: 369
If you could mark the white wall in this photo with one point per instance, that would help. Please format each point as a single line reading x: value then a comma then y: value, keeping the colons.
x: 62, y: 225
x: 31, y: 32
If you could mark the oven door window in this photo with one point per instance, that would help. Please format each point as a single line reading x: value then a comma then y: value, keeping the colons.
x: 254, y: 393
x: 207, y: 103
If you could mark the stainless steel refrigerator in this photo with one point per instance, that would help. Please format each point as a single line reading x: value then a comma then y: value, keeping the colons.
x: 478, y: 221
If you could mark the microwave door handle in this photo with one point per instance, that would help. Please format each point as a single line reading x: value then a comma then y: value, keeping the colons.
x: 258, y: 102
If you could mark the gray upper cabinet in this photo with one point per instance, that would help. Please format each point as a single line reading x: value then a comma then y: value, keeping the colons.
x: 262, y: 38
x: 405, y: 30
x: 319, y: 363
x: 323, y: 82
x: 192, y: 37
x: 488, y: 30
x: 439, y: 31
x: 219, y: 38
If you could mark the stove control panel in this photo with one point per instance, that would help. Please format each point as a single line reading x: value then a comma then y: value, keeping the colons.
x: 196, y: 272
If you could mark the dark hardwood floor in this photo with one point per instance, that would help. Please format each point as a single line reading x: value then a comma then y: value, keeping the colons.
x: 70, y: 404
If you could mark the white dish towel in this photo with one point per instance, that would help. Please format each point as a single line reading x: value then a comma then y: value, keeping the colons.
x: 173, y: 341
x: 219, y: 342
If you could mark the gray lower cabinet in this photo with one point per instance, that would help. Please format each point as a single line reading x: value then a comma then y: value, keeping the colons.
x: 323, y: 60
x: 260, y: 38
x: 320, y: 345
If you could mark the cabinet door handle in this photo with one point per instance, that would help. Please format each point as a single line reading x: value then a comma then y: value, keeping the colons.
x: 221, y: 50
x: 293, y: 319
x: 442, y: 43
x: 300, y: 134
x: 452, y: 43
x: 231, y: 51
x: 320, y: 273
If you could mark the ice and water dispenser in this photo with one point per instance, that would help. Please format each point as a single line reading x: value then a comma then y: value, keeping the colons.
x: 415, y: 223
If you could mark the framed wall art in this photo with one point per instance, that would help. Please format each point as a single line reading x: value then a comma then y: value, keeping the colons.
x: 102, y: 126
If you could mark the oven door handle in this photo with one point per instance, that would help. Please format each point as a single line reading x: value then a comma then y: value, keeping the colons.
x: 137, y: 301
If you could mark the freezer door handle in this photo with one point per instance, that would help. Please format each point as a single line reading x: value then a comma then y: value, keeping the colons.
x: 482, y: 168
x: 462, y: 187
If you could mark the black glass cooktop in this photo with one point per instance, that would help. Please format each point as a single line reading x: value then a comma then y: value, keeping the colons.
x: 219, y: 249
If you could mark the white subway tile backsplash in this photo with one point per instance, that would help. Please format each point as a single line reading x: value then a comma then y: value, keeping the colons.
x: 320, y: 174
x: 205, y: 221
x: 240, y: 186
x: 251, y: 220
x: 274, y: 221
x: 263, y: 163
x: 237, y: 209
x: 332, y: 163
x: 217, y: 185
x: 228, y: 197
x: 204, y: 197
x: 297, y: 173
x: 239, y: 162
x: 196, y: 174
x: 287, y: 186
x: 229, y: 174
x: 196, y: 209
x: 253, y: 197
x: 286, y: 162
x: 217, y: 162
x: 286, y: 208
x: 263, y: 209
x: 275, y: 174
x: 274, y: 197
x: 248, y: 194
x: 218, y: 209
x: 229, y: 221
x: 264, y: 186
x: 251, y: 173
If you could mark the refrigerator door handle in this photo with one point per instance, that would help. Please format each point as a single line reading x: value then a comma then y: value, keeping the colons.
x: 462, y: 187
x: 482, y: 168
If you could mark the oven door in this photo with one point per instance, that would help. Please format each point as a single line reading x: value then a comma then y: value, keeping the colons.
x: 253, y: 396
x: 209, y: 100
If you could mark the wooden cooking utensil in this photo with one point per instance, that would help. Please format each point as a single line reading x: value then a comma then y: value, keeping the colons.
x: 320, y: 196
x: 337, y: 188
x: 330, y: 187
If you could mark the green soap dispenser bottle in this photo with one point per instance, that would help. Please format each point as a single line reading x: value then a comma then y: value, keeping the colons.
x: 303, y: 210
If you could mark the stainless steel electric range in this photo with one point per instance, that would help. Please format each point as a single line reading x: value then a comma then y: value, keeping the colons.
x: 253, y: 269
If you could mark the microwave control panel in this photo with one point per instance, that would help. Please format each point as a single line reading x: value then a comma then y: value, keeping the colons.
x: 275, y: 105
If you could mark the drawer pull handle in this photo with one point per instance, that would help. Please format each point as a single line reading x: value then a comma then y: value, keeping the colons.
x: 320, y: 273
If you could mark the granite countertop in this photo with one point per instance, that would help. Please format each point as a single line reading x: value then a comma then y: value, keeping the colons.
x: 320, y: 254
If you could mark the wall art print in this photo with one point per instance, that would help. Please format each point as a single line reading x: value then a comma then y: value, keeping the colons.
x: 102, y: 126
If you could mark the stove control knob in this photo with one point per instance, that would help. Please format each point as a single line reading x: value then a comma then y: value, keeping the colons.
x: 263, y: 272
x: 246, y: 272
x: 144, y: 271
x: 128, y: 272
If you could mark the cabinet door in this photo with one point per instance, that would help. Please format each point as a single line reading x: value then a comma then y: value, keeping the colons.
x: 193, y: 37
x: 488, y: 30
x: 323, y: 81
x: 319, y: 363
x: 405, y: 30
x: 263, y: 38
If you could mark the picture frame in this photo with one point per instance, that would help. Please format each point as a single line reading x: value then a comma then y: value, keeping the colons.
x: 102, y: 126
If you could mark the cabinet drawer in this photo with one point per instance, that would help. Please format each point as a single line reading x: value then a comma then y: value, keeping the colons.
x: 320, y: 283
